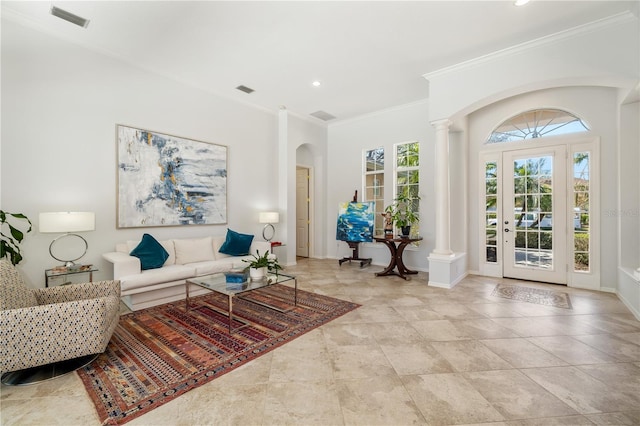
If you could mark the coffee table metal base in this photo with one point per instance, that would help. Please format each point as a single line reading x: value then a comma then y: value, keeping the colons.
x: 231, y: 295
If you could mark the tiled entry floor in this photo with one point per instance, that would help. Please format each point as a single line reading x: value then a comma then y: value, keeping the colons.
x: 412, y: 354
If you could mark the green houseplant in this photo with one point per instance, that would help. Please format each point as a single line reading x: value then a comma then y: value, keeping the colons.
x: 10, y: 242
x: 267, y: 261
x: 404, y: 213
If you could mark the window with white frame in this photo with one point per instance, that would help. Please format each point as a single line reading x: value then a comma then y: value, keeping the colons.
x: 374, y: 184
x: 581, y: 211
x: 537, y: 123
x: 407, y: 175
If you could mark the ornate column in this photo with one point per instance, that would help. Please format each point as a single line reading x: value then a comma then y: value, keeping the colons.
x: 442, y: 242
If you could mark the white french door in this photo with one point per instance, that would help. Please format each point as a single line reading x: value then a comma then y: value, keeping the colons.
x: 534, y: 212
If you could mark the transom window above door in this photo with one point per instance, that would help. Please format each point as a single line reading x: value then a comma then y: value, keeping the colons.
x: 537, y: 123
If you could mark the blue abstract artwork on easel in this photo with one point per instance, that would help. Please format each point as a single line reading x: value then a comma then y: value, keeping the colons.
x: 355, y: 222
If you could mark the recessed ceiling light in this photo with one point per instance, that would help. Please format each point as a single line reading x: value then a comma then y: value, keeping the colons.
x: 316, y: 83
x: 521, y: 2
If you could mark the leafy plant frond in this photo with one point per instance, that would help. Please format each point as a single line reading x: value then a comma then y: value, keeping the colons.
x: 9, y: 244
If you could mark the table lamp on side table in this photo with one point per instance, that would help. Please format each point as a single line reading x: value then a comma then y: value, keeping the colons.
x: 68, y: 223
x: 269, y: 218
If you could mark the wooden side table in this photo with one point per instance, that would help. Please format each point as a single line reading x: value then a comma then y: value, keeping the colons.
x: 396, y: 247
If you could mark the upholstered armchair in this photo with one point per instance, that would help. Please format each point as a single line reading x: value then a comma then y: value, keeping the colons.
x: 47, y: 325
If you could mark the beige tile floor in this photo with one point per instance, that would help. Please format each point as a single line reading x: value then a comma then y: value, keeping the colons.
x: 412, y: 354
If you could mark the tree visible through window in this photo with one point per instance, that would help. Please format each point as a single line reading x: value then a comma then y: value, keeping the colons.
x: 374, y: 184
x: 407, y: 169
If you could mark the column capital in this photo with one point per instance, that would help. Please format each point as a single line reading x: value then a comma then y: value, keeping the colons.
x: 441, y: 124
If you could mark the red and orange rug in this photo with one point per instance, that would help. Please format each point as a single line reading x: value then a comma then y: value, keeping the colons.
x: 160, y: 353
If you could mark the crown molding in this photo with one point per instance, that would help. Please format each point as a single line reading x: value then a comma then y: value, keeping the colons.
x: 610, y: 21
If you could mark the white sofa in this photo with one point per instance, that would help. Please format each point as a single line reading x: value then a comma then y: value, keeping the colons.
x: 188, y: 258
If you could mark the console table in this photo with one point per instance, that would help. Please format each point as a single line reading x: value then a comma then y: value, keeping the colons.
x: 396, y: 247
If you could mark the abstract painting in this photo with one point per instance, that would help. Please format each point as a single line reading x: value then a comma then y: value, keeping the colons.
x: 165, y: 180
x: 355, y: 222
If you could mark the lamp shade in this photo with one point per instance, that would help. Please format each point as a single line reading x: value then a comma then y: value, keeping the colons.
x: 67, y: 222
x: 269, y: 217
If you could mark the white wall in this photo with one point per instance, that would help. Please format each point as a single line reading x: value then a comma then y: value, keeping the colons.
x: 597, y: 106
x: 628, y: 285
x: 604, y: 53
x: 60, y: 105
x: 629, y: 176
x: 310, y: 141
x: 347, y: 142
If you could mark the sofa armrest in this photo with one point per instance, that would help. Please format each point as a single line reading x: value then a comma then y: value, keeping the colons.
x: 123, y: 264
x: 261, y: 246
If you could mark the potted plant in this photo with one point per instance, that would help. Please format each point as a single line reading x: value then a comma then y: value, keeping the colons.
x: 9, y: 244
x: 260, y: 264
x: 403, y: 214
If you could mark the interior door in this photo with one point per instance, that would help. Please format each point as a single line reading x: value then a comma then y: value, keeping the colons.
x: 534, y: 215
x: 302, y: 212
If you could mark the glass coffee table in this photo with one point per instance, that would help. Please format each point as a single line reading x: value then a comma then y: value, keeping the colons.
x: 218, y: 284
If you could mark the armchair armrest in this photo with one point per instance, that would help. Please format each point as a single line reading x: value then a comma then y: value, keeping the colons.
x: 82, y: 291
x: 123, y: 264
x: 49, y: 333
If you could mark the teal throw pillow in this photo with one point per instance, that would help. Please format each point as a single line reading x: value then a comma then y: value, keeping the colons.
x: 236, y: 244
x: 150, y: 252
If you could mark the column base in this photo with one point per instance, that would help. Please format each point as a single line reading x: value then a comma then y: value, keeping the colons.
x: 448, y: 270
x: 442, y: 253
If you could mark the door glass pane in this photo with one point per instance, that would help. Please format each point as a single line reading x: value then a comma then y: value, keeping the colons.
x: 533, y: 205
x: 491, y: 204
x: 581, y: 204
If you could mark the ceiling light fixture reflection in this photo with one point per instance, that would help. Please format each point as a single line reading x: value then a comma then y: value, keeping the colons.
x: 521, y: 2
x: 316, y: 83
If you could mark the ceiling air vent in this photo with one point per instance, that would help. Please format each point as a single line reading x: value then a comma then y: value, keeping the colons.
x: 322, y: 115
x: 69, y: 17
x: 245, y: 89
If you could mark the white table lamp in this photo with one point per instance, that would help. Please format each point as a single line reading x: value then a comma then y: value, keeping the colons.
x: 269, y: 218
x: 67, y: 223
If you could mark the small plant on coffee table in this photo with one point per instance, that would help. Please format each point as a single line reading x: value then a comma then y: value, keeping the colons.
x: 266, y: 260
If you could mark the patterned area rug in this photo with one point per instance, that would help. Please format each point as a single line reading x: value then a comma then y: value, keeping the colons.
x: 557, y: 299
x: 158, y: 354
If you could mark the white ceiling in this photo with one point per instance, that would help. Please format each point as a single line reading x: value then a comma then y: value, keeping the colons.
x: 368, y: 55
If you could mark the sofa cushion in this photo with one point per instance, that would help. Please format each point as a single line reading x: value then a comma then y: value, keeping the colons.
x: 213, y: 266
x: 236, y: 244
x: 150, y: 252
x: 151, y: 277
x: 193, y: 250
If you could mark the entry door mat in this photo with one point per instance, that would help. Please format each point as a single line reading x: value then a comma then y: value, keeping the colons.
x: 557, y: 299
x: 160, y: 353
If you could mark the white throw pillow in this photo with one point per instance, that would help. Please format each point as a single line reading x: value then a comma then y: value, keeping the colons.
x: 193, y: 250
x: 218, y: 241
